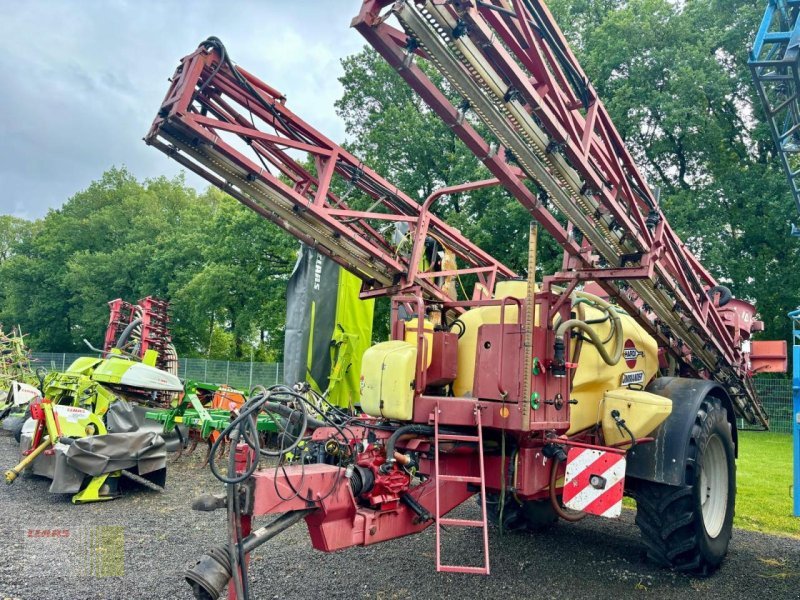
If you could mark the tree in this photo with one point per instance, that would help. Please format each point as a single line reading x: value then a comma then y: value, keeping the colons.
x: 241, y: 285
x: 222, y: 267
x: 13, y: 233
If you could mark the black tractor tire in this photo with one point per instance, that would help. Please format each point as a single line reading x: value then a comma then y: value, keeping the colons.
x: 688, y: 528
x: 16, y: 426
x: 533, y: 515
x: 17, y: 430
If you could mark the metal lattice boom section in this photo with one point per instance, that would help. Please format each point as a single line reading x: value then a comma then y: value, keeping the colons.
x: 236, y: 131
x: 775, y: 65
x: 515, y: 73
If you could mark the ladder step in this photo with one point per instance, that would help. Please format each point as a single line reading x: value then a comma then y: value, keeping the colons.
x: 460, y: 478
x: 460, y: 523
x: 468, y: 570
x: 441, y: 478
x: 457, y: 438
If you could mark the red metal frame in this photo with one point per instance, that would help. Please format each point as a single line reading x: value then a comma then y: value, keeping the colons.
x: 155, y: 328
x: 121, y: 313
x: 236, y: 132
x: 248, y: 142
x: 155, y: 333
x: 625, y: 235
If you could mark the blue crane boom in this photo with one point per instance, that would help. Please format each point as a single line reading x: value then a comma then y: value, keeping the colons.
x: 775, y: 65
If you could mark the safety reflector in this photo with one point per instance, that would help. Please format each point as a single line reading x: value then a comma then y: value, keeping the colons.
x: 594, y: 482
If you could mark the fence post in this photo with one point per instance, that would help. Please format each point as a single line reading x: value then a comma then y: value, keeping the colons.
x: 796, y: 415
x: 276, y: 373
x: 227, y: 371
x: 205, y: 371
x: 250, y: 385
x: 796, y: 428
x: 795, y: 317
x: 63, y: 361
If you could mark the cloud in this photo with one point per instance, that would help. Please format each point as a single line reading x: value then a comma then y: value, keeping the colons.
x: 83, y: 81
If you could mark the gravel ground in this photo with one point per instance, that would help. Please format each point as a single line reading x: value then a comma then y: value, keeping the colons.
x: 593, y: 559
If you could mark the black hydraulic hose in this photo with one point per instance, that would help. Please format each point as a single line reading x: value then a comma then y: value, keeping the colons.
x: 559, y: 510
x: 241, y: 424
x: 291, y: 413
x: 246, y: 425
x: 126, y: 333
x: 404, y: 430
x: 417, y: 430
x: 462, y: 329
x: 725, y: 294
x: 621, y: 425
x: 278, y: 390
x: 282, y: 389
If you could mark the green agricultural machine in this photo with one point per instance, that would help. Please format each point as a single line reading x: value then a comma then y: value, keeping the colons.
x: 85, y: 428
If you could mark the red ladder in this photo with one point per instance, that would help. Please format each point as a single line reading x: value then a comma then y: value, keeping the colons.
x: 440, y: 520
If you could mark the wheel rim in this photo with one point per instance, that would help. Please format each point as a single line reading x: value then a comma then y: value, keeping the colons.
x: 714, y: 486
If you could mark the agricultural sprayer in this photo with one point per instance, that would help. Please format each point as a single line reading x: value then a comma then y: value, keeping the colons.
x: 623, y: 373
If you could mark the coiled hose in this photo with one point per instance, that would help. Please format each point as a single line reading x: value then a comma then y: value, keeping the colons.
x: 586, y: 328
x: 246, y: 429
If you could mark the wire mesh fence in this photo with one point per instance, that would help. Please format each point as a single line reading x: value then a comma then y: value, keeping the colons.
x: 775, y: 393
x: 240, y: 375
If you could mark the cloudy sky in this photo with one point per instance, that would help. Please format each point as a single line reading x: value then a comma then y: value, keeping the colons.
x: 83, y: 79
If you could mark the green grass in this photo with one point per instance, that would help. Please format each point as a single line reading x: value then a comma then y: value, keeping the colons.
x: 764, y: 477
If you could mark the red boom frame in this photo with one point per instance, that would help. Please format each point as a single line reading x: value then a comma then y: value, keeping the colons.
x: 218, y: 126
x: 627, y: 246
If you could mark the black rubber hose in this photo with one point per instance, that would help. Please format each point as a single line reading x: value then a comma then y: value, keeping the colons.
x: 400, y: 431
x: 725, y: 294
x: 289, y: 413
x: 126, y: 333
x: 300, y: 436
x: 622, y: 426
x: 242, y: 423
x: 572, y: 517
x: 462, y: 329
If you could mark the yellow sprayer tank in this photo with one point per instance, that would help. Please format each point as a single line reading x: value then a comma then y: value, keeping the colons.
x: 593, y: 377
x: 641, y: 411
x: 388, y: 369
x: 412, y: 326
x: 387, y: 380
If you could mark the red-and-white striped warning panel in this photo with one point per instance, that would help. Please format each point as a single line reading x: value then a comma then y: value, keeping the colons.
x: 594, y: 482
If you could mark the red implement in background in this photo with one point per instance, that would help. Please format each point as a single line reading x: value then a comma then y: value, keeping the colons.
x: 148, y: 320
